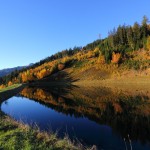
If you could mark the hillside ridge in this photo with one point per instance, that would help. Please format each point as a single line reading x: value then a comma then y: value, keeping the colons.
x: 124, y: 53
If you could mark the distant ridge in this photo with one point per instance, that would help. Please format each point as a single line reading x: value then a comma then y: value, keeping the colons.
x: 7, y: 71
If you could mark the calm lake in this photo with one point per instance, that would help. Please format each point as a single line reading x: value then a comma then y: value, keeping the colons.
x: 109, y: 119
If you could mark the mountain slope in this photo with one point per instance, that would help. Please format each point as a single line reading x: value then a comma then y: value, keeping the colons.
x: 7, y: 71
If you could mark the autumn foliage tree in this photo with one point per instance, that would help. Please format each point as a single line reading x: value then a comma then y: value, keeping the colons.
x: 2, y: 86
x: 61, y: 66
x: 116, y: 57
x: 10, y: 83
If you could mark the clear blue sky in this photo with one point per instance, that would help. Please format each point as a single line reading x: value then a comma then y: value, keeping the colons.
x: 31, y: 30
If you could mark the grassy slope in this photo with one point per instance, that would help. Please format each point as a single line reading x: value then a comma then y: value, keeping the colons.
x: 10, y: 87
x: 95, y: 74
x: 14, y: 135
x: 93, y: 70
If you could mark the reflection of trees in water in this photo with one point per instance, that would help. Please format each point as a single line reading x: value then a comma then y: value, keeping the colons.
x: 126, y: 114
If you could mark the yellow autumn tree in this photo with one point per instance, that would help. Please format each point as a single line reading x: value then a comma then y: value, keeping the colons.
x: 90, y: 54
x: 2, y: 86
x: 79, y: 56
x: 24, y: 77
x: 43, y: 73
x: 96, y: 51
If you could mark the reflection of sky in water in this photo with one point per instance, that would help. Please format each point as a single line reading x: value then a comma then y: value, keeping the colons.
x: 83, y: 129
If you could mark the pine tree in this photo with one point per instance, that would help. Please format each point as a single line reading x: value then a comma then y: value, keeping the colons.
x: 130, y: 37
x: 144, y: 30
x: 136, y: 35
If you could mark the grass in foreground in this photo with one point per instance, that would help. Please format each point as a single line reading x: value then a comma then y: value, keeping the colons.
x: 14, y: 135
x: 18, y: 136
x: 10, y: 87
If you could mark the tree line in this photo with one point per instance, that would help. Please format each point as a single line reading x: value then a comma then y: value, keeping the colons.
x: 125, y: 39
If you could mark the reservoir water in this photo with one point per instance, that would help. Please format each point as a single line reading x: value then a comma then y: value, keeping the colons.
x: 101, y: 117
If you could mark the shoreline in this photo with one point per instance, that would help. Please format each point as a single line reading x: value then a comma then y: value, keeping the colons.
x: 15, y: 132
x: 116, y: 81
x: 134, y: 85
x: 10, y: 91
x: 18, y: 131
x: 9, y: 88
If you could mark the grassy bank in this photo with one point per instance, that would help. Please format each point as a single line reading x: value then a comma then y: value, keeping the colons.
x: 10, y: 91
x: 10, y: 87
x: 15, y: 135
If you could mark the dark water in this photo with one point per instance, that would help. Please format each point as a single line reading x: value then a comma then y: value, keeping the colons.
x: 101, y: 117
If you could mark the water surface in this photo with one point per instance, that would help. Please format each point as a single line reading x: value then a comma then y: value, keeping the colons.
x: 101, y: 117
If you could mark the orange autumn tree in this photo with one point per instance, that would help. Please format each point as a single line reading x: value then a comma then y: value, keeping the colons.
x: 10, y: 83
x: 116, y: 58
x: 2, y: 86
x: 61, y: 66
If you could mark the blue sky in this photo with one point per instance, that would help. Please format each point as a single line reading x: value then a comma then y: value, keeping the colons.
x: 31, y: 30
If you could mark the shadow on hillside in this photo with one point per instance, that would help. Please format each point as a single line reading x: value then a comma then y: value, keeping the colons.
x: 60, y: 82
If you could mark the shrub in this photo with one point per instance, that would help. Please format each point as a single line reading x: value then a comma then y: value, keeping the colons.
x: 137, y: 64
x: 116, y: 57
x: 2, y: 86
x: 61, y: 66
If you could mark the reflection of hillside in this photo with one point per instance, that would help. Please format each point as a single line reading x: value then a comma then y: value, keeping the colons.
x: 127, y: 114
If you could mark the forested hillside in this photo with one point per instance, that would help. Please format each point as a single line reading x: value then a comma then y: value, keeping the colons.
x: 125, y: 48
